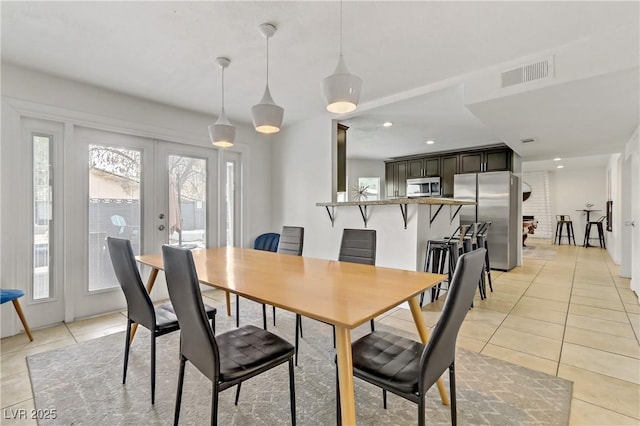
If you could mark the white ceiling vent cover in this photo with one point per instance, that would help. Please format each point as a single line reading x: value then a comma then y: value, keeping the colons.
x: 539, y: 70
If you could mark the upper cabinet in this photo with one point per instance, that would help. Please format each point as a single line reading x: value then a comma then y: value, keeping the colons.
x: 445, y: 165
x: 396, y: 179
x: 423, y: 167
x: 485, y: 161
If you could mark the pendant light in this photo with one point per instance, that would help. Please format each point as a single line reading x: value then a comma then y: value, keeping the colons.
x: 267, y: 116
x: 222, y: 133
x: 341, y: 89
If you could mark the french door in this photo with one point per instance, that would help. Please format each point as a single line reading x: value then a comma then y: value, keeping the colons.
x: 147, y: 191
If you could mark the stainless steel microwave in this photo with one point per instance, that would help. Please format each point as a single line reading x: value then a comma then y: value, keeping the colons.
x: 423, y: 187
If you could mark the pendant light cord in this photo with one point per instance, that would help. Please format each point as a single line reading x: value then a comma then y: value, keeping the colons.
x: 267, y: 61
x: 223, y: 90
x: 340, y: 27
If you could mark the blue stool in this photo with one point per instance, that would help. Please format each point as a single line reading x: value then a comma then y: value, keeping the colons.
x: 13, y: 296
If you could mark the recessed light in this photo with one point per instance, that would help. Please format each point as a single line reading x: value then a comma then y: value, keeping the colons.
x: 429, y: 142
x: 557, y: 159
x: 387, y: 124
x: 560, y: 167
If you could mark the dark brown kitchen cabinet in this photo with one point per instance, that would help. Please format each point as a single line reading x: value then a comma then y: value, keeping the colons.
x: 396, y: 179
x: 485, y: 161
x: 423, y: 167
x: 449, y: 168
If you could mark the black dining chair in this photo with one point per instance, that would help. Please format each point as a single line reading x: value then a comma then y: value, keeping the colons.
x: 158, y: 320
x: 265, y: 242
x: 408, y: 368
x: 356, y: 246
x: 227, y: 359
x: 291, y: 243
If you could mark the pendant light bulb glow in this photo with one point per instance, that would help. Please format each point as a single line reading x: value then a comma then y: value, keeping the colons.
x: 222, y: 132
x: 341, y: 89
x: 267, y: 116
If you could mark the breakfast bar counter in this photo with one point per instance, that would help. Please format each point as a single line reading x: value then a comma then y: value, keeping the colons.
x: 402, y: 239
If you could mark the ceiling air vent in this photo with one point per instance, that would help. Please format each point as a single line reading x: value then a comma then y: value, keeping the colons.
x: 539, y: 70
x: 527, y: 140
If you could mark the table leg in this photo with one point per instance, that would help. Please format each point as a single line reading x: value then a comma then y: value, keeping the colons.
x: 416, y: 312
x: 228, y: 299
x: 345, y: 375
x: 150, y: 282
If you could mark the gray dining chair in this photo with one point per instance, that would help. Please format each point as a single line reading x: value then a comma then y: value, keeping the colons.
x: 160, y: 320
x: 227, y: 359
x: 408, y: 368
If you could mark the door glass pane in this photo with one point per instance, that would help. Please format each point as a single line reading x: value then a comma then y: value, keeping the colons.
x: 42, y: 208
x: 114, y: 207
x: 187, y: 201
x: 230, y: 201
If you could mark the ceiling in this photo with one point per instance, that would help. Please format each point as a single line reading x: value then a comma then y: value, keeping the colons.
x: 165, y: 52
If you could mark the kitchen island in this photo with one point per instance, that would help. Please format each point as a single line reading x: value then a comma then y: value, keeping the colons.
x: 403, y: 231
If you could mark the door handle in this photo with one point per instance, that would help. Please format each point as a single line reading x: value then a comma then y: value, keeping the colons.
x: 632, y: 223
x: 161, y: 227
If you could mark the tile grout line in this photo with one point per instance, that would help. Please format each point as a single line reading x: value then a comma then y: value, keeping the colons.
x: 512, y: 308
x: 566, y: 319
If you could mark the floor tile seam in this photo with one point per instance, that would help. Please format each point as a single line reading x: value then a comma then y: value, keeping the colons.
x: 14, y: 351
x: 71, y: 333
x: 628, y: 322
x: 566, y: 319
x: 512, y: 307
x: 9, y: 406
x: 605, y: 350
x: 597, y: 372
x: 626, y: 312
x: 607, y: 408
x: 592, y: 306
x: 557, y: 361
x: 534, y: 334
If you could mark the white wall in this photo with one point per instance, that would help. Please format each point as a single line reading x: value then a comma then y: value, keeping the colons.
x: 364, y: 168
x: 303, y: 165
x: 572, y: 189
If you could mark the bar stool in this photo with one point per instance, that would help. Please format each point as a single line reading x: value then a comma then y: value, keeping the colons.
x: 482, y: 242
x: 587, y: 232
x: 564, y: 220
x: 442, y: 256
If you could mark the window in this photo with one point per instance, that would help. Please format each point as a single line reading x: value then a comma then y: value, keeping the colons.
x: 42, y: 216
x: 114, y: 207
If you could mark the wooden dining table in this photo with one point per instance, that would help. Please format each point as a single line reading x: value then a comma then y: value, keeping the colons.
x: 343, y: 294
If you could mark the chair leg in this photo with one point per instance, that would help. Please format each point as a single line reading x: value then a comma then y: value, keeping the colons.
x: 573, y: 234
x: 421, y: 411
x: 153, y: 367
x: 274, y: 316
x: 237, y: 393
x: 334, y: 336
x: 338, y: 407
x: 488, y: 268
x: 127, y: 344
x: 452, y: 391
x: 214, y: 405
x: 18, y: 308
x: 373, y: 327
x: 292, y: 392
x: 237, y: 311
x: 264, y: 316
x: 298, y: 321
x: 176, y: 414
x: 384, y: 398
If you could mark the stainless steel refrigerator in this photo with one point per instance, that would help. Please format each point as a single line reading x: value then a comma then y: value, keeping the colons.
x: 496, y: 197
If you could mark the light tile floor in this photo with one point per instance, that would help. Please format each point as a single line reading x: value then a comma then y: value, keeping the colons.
x: 565, y: 313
